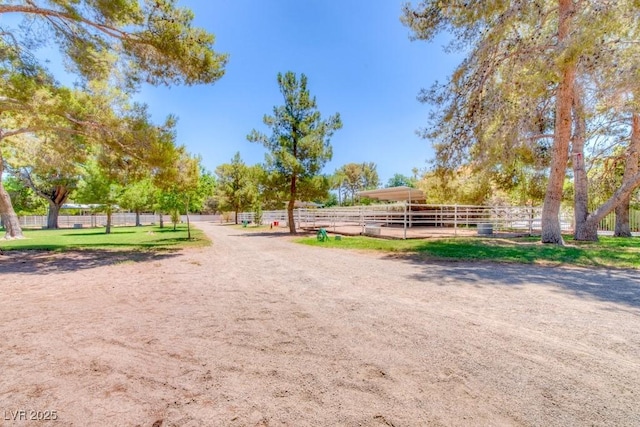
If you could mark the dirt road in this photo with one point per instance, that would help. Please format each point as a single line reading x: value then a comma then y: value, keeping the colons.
x: 259, y: 331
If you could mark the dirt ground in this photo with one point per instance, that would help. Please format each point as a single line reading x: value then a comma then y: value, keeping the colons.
x: 259, y: 331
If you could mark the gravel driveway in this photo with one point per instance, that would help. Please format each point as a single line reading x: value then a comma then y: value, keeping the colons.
x: 259, y: 331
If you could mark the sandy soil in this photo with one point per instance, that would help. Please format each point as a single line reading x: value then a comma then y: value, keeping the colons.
x: 258, y: 331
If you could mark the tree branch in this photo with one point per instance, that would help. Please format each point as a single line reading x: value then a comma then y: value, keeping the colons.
x: 50, y: 13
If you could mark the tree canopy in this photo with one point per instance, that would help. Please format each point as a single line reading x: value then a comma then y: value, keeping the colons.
x: 237, y: 187
x: 299, y: 144
x: 153, y: 41
x: 354, y: 177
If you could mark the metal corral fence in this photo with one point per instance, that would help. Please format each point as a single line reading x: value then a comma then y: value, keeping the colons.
x: 117, y: 220
x: 503, y: 218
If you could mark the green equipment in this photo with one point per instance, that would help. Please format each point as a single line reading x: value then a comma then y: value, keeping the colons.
x: 322, y: 235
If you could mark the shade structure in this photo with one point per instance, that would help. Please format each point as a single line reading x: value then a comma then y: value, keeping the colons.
x: 394, y: 194
x: 404, y: 194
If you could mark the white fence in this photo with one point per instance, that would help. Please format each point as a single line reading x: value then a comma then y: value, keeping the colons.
x: 413, y: 215
x: 117, y: 220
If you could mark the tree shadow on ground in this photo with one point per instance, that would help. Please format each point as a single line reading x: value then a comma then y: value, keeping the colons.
x: 47, y: 262
x: 617, y: 286
x: 96, y: 233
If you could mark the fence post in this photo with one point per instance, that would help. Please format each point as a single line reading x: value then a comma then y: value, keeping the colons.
x: 531, y: 215
x: 405, y: 221
x: 455, y: 220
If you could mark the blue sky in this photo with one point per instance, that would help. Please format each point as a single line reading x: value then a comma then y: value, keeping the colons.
x: 359, y: 62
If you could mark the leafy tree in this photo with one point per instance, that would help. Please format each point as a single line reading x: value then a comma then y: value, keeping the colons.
x: 357, y: 177
x: 25, y: 201
x: 181, y: 186
x: 461, y: 186
x: 331, y: 200
x: 336, y: 181
x: 121, y: 41
x: 236, y: 189
x: 205, y: 190
x: 102, y: 184
x: 153, y: 41
x: 50, y: 169
x: 188, y: 183
x: 169, y: 201
x: 272, y: 188
x: 299, y: 145
x: 370, y: 179
x: 436, y: 189
x: 33, y: 110
x: 524, y: 178
x: 208, y: 203
x: 399, y: 180
x: 132, y: 149
x: 351, y: 183
x: 517, y: 83
x: 211, y: 205
x: 139, y: 196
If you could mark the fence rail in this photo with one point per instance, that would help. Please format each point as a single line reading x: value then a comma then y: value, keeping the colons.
x: 526, y: 219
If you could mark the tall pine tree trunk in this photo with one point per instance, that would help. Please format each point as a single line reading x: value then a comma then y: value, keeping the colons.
x: 622, y: 227
x: 9, y: 218
x: 585, y: 229
x: 291, y: 217
x: 551, y: 230
x: 291, y: 205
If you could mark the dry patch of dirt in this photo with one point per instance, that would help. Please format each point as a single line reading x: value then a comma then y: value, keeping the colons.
x: 258, y: 331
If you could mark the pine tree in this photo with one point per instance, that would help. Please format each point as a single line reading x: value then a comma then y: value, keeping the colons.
x: 299, y: 145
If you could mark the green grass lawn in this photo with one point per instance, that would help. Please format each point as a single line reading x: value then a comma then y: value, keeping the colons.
x: 121, y: 238
x: 608, y: 252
